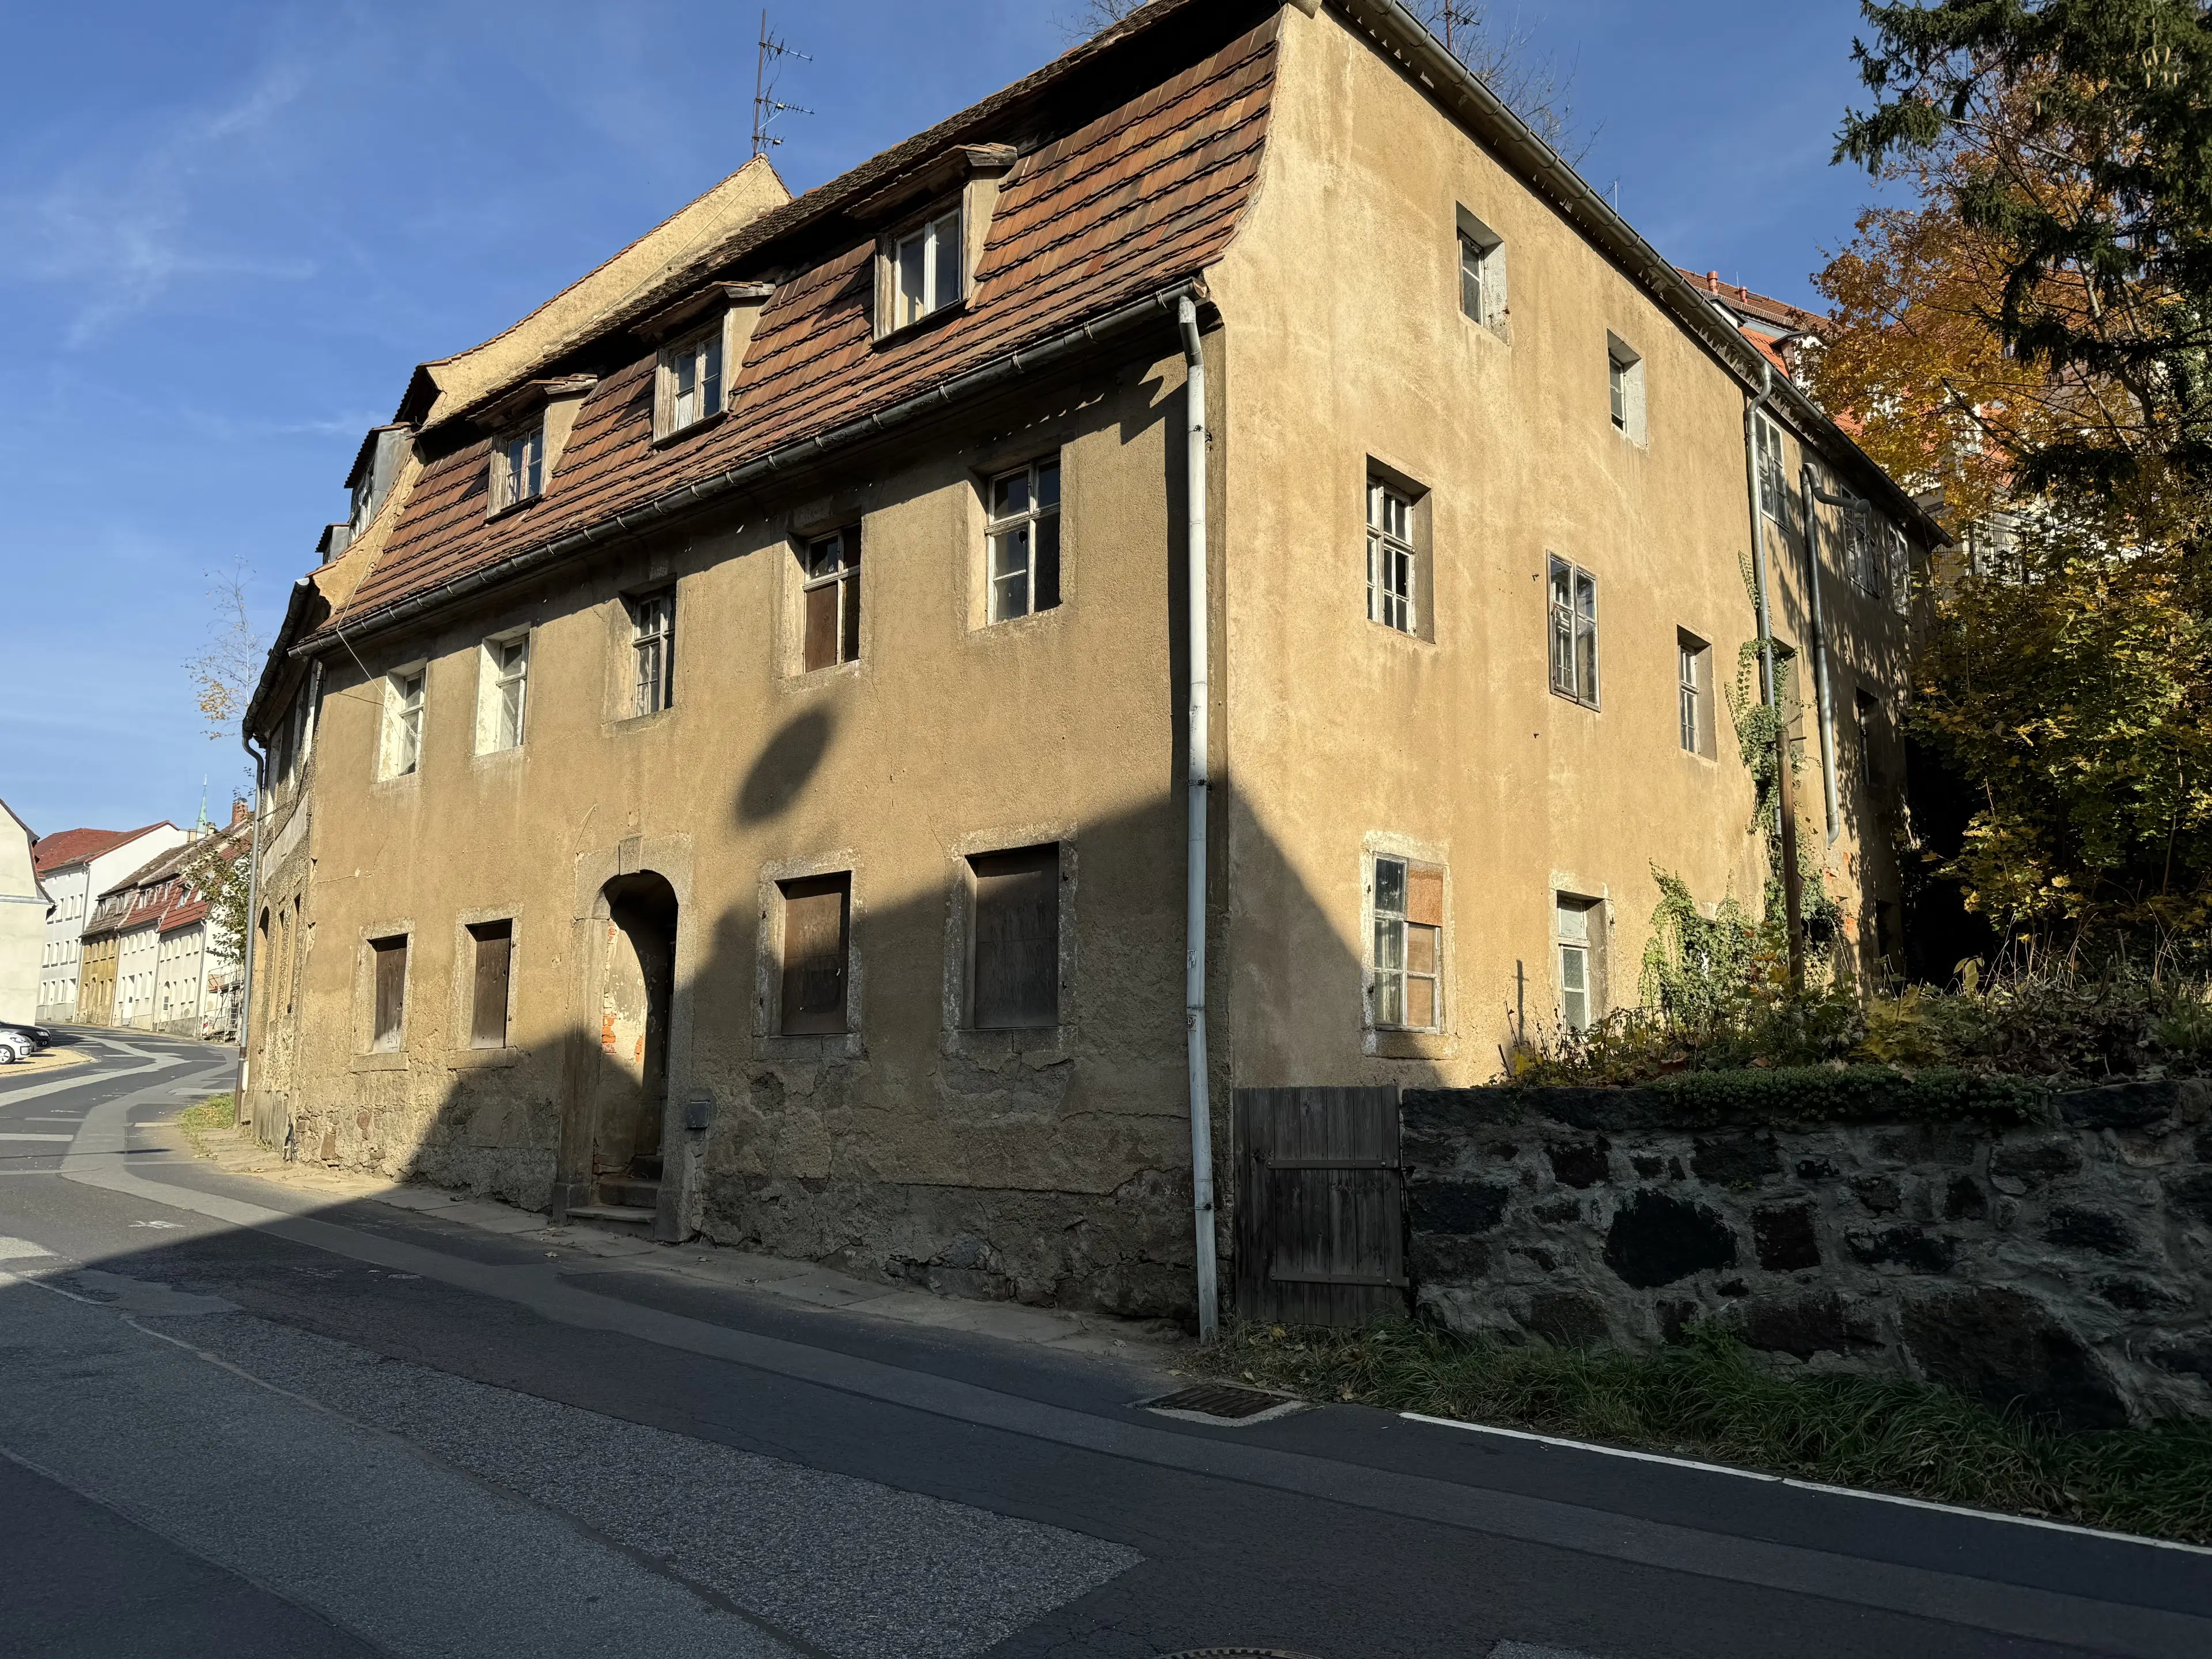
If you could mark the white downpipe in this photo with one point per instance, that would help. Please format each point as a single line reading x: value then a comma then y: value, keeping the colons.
x: 1201, y: 1113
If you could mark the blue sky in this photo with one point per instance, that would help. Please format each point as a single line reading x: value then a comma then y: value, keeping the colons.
x: 229, y: 230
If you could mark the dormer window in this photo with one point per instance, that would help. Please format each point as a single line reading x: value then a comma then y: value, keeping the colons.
x: 518, y: 468
x: 926, y: 268
x: 690, y: 383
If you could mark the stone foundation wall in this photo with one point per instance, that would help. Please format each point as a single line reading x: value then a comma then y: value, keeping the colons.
x: 2067, y: 1266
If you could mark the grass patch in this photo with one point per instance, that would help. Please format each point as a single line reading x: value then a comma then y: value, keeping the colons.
x: 1708, y: 1398
x: 213, y: 1112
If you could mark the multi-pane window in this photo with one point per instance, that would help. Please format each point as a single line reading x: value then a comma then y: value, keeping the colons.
x: 1693, y: 692
x: 831, y: 599
x: 1578, y: 929
x: 493, y: 948
x: 1898, y: 552
x: 1024, y: 541
x: 818, y: 913
x: 653, y: 650
x: 388, y: 978
x: 1407, y: 968
x: 518, y: 468
x: 1868, y: 708
x: 1389, y: 558
x: 1574, y: 632
x: 510, y: 670
x: 926, y: 270
x: 1481, y: 271
x: 403, y: 723
x: 1016, y: 960
x: 691, y: 381
x: 1624, y: 373
x: 1773, y: 498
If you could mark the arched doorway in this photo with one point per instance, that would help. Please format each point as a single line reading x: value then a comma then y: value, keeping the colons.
x: 629, y: 1096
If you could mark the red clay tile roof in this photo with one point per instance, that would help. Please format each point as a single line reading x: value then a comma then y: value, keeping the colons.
x: 66, y: 847
x: 1119, y: 208
x: 1779, y: 312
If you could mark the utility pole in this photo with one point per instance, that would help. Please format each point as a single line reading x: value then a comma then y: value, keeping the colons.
x: 765, y: 107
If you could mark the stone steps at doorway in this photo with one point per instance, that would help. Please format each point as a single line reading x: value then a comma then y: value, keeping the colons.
x: 630, y: 1217
x: 630, y: 1192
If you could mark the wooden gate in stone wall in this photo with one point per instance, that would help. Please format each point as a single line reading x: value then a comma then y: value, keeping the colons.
x: 1320, y: 1206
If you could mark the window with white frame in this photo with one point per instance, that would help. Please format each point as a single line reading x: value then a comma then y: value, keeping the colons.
x: 1623, y: 369
x: 505, y: 685
x: 1574, y: 633
x: 1481, y: 271
x: 829, y: 598
x: 1024, y: 540
x: 402, y: 747
x: 1578, y: 933
x: 926, y: 270
x: 1693, y: 692
x: 1406, y: 966
x: 1391, y: 557
x: 1773, y: 498
x: 518, y: 468
x: 690, y: 383
x: 1898, y: 552
x: 652, y: 651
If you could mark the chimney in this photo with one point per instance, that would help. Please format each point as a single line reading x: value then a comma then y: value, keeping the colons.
x: 1712, y: 282
x: 238, y: 810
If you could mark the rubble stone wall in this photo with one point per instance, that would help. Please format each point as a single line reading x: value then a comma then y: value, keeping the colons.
x: 2066, y: 1265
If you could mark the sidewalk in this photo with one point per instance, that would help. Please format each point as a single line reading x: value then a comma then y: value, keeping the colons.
x: 1138, y: 1341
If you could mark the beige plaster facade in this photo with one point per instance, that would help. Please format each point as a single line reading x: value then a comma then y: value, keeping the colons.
x: 637, y: 867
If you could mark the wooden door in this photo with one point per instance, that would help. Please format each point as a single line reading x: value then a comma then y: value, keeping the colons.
x: 1321, y: 1226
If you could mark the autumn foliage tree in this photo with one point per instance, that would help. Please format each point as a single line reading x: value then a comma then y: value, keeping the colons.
x: 2030, y: 335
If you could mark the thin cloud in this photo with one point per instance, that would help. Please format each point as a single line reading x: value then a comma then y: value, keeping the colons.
x: 121, y: 229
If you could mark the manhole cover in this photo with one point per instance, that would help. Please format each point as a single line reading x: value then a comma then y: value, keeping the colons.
x: 1222, y: 1403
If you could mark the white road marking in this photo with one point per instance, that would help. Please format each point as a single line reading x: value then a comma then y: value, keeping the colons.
x: 20, y: 1249
x: 157, y: 1224
x: 1809, y: 1485
x: 3, y: 1136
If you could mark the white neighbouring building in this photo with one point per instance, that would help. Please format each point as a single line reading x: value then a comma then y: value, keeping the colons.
x: 75, y: 866
x: 23, y: 906
x: 152, y: 930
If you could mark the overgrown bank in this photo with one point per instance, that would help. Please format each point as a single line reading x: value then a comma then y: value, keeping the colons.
x: 1707, y: 1397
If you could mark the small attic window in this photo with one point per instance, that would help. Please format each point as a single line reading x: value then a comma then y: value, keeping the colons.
x: 690, y: 382
x: 926, y: 270
x: 518, y: 467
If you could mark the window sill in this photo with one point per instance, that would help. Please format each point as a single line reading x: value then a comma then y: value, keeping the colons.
x: 1392, y: 1044
x: 908, y: 330
x: 514, y: 508
x: 1399, y: 633
x: 482, y: 1060
x: 808, y: 679
x: 1501, y: 330
x: 382, y: 1060
x: 1037, y: 1046
x: 1568, y: 698
x: 704, y: 423
x: 635, y: 722
x: 397, y: 781
x: 814, y: 1046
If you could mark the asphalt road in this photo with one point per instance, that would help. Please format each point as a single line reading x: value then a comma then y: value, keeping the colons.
x: 232, y: 1422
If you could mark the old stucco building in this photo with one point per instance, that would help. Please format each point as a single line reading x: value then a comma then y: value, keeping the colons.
x: 731, y: 764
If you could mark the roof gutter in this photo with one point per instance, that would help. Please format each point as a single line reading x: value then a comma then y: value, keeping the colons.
x: 1400, y: 31
x: 688, y: 499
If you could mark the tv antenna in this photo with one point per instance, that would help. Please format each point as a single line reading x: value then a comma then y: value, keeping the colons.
x: 765, y: 106
x: 1451, y: 15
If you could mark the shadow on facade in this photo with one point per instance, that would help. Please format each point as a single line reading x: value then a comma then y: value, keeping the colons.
x: 1048, y: 1165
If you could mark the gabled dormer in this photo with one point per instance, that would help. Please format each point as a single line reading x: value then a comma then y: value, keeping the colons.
x: 529, y: 427
x: 701, y: 339
x: 935, y: 220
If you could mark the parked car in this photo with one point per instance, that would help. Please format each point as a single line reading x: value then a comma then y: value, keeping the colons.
x: 15, y: 1046
x: 38, y: 1035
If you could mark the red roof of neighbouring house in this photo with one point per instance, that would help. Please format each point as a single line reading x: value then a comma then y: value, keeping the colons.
x: 1117, y: 203
x: 1780, y: 313
x: 67, y: 847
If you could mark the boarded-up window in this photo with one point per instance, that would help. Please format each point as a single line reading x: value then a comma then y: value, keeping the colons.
x: 818, y: 913
x: 495, y: 958
x: 1017, y: 960
x: 389, y: 956
x: 1409, y: 925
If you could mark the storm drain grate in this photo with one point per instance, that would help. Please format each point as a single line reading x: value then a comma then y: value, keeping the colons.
x: 1238, y: 1653
x: 1229, y: 1405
